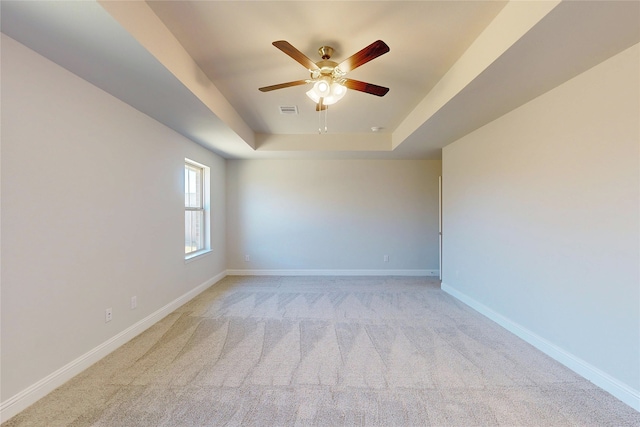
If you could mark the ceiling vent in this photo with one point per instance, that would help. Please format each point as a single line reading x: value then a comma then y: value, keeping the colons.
x: 288, y: 109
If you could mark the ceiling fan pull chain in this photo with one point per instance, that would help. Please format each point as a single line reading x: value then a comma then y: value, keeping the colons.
x: 326, y: 114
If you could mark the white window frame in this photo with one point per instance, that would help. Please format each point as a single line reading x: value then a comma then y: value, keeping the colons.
x: 205, y: 208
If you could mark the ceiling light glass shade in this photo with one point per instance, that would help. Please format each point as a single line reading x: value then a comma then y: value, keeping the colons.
x: 338, y: 91
x: 322, y: 88
x: 331, y: 95
x: 313, y: 95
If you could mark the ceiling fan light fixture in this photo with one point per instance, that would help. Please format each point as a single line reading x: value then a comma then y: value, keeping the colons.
x: 330, y: 93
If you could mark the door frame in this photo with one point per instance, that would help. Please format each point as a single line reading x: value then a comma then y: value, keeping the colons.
x: 440, y: 225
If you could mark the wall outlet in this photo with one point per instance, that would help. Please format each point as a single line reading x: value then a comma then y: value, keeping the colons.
x: 108, y: 315
x: 134, y: 302
x: 247, y: 258
x: 386, y: 258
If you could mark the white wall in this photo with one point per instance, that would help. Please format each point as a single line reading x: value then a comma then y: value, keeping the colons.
x: 541, y: 222
x: 333, y: 215
x: 92, y: 214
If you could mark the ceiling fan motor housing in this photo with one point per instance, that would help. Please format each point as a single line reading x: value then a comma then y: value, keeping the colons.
x: 326, y: 68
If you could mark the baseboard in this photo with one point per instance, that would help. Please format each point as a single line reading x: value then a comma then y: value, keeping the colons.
x: 603, y: 380
x: 434, y: 273
x: 33, y: 393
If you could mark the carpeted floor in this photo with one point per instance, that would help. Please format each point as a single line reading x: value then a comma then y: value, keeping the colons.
x: 327, y: 351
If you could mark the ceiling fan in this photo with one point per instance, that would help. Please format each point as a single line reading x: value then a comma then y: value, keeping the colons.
x: 328, y: 77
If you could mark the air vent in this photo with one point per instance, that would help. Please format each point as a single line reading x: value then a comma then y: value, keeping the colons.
x: 288, y: 109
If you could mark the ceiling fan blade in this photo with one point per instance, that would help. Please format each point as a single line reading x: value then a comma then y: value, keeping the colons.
x: 366, y: 87
x: 283, y: 85
x: 287, y: 48
x: 370, y: 52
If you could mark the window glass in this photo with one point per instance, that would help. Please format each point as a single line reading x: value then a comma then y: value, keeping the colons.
x: 194, y: 208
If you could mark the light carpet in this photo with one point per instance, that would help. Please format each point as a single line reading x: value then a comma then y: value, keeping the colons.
x: 327, y: 351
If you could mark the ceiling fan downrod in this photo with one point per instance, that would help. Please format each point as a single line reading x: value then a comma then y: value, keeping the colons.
x: 325, y: 52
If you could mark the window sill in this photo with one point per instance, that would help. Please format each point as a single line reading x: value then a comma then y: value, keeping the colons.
x: 196, y: 255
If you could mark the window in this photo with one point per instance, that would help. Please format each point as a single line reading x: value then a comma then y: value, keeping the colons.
x: 196, y: 204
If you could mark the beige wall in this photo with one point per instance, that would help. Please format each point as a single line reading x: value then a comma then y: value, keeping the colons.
x: 333, y: 215
x: 541, y: 221
x: 92, y: 214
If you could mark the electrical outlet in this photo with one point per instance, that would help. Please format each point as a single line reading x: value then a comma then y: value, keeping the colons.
x: 386, y: 258
x: 108, y: 315
x: 134, y: 302
x: 247, y: 258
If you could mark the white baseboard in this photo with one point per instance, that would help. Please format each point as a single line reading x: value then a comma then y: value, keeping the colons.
x: 434, y: 273
x: 33, y: 393
x: 603, y: 380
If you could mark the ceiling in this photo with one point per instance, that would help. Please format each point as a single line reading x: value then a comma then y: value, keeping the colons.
x: 196, y: 66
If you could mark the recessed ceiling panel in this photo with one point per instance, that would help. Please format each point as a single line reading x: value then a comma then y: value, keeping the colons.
x: 231, y: 42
